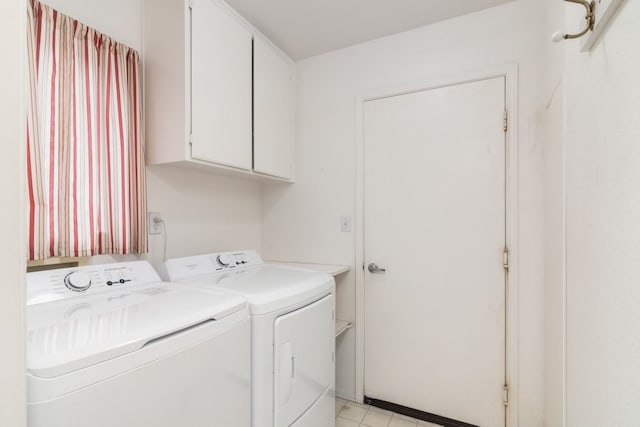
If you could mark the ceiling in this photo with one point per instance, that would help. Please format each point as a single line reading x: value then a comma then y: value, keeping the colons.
x: 304, y: 28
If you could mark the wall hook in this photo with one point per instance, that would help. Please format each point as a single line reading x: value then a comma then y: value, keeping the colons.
x: 590, y: 17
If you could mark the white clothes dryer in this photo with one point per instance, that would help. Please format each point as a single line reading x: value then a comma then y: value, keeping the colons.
x: 112, y: 345
x: 293, y: 333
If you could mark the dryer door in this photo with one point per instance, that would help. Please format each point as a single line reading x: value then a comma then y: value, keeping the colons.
x: 304, y: 361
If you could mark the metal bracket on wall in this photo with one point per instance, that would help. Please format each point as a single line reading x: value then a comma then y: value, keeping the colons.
x: 590, y: 19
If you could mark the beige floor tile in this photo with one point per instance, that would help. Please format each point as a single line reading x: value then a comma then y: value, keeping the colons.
x: 376, y: 419
x: 353, y: 412
x: 343, y: 422
x: 360, y: 405
x: 397, y: 422
x: 380, y: 411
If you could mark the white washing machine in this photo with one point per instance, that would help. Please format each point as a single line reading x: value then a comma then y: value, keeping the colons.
x: 112, y: 345
x: 293, y: 333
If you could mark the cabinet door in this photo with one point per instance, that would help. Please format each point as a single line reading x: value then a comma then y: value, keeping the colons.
x: 220, y: 86
x: 273, y: 112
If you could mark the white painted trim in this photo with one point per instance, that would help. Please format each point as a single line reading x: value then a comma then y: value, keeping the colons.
x: 513, y: 217
x: 564, y: 393
x: 188, y: 106
x: 13, y: 389
x: 22, y: 208
x: 359, y: 247
x: 510, y: 72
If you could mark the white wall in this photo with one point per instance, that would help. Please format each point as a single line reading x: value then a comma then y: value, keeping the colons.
x: 302, y: 222
x: 595, y: 104
x: 12, y: 250
x: 602, y: 111
x: 119, y: 19
x: 554, y: 215
x: 203, y: 213
x: 554, y: 262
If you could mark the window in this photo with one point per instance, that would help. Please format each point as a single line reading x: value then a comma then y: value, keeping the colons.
x: 85, y: 141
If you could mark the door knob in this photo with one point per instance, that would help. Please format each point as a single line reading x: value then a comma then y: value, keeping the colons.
x: 373, y: 268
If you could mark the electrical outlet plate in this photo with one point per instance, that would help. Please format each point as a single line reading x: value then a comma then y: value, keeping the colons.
x: 155, y: 227
x: 605, y: 10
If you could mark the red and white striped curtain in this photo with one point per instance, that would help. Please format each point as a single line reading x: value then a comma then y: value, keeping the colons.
x: 85, y: 142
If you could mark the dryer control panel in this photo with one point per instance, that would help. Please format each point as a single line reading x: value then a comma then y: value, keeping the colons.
x: 51, y: 285
x: 181, y: 268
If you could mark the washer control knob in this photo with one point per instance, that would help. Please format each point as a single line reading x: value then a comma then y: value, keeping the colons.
x: 224, y: 260
x: 77, y: 281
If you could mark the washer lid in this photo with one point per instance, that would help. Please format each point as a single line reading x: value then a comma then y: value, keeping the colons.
x: 267, y: 287
x: 68, y: 335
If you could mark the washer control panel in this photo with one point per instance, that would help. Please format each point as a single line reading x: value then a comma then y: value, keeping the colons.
x: 77, y: 281
x: 181, y: 268
x: 234, y: 259
x: 51, y: 285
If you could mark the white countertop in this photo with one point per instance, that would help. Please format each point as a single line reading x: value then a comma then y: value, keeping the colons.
x: 333, y: 270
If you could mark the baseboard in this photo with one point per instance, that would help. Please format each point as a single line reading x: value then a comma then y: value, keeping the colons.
x: 415, y: 413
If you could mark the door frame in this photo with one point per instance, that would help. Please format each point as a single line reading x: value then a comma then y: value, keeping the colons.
x: 510, y: 73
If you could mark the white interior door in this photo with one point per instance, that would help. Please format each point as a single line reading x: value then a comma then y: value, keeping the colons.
x: 434, y: 165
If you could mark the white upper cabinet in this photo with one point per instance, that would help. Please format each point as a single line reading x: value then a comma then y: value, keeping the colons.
x: 219, y: 96
x: 220, y: 86
x: 273, y: 80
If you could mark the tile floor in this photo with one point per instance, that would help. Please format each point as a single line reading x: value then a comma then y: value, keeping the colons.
x: 350, y: 414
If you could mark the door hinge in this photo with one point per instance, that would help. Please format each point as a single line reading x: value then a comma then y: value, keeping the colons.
x: 505, y: 120
x: 190, y: 4
x: 190, y: 140
x: 505, y: 259
x: 505, y: 394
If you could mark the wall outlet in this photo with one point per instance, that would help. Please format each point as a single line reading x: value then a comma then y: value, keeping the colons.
x: 345, y: 223
x: 155, y: 223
